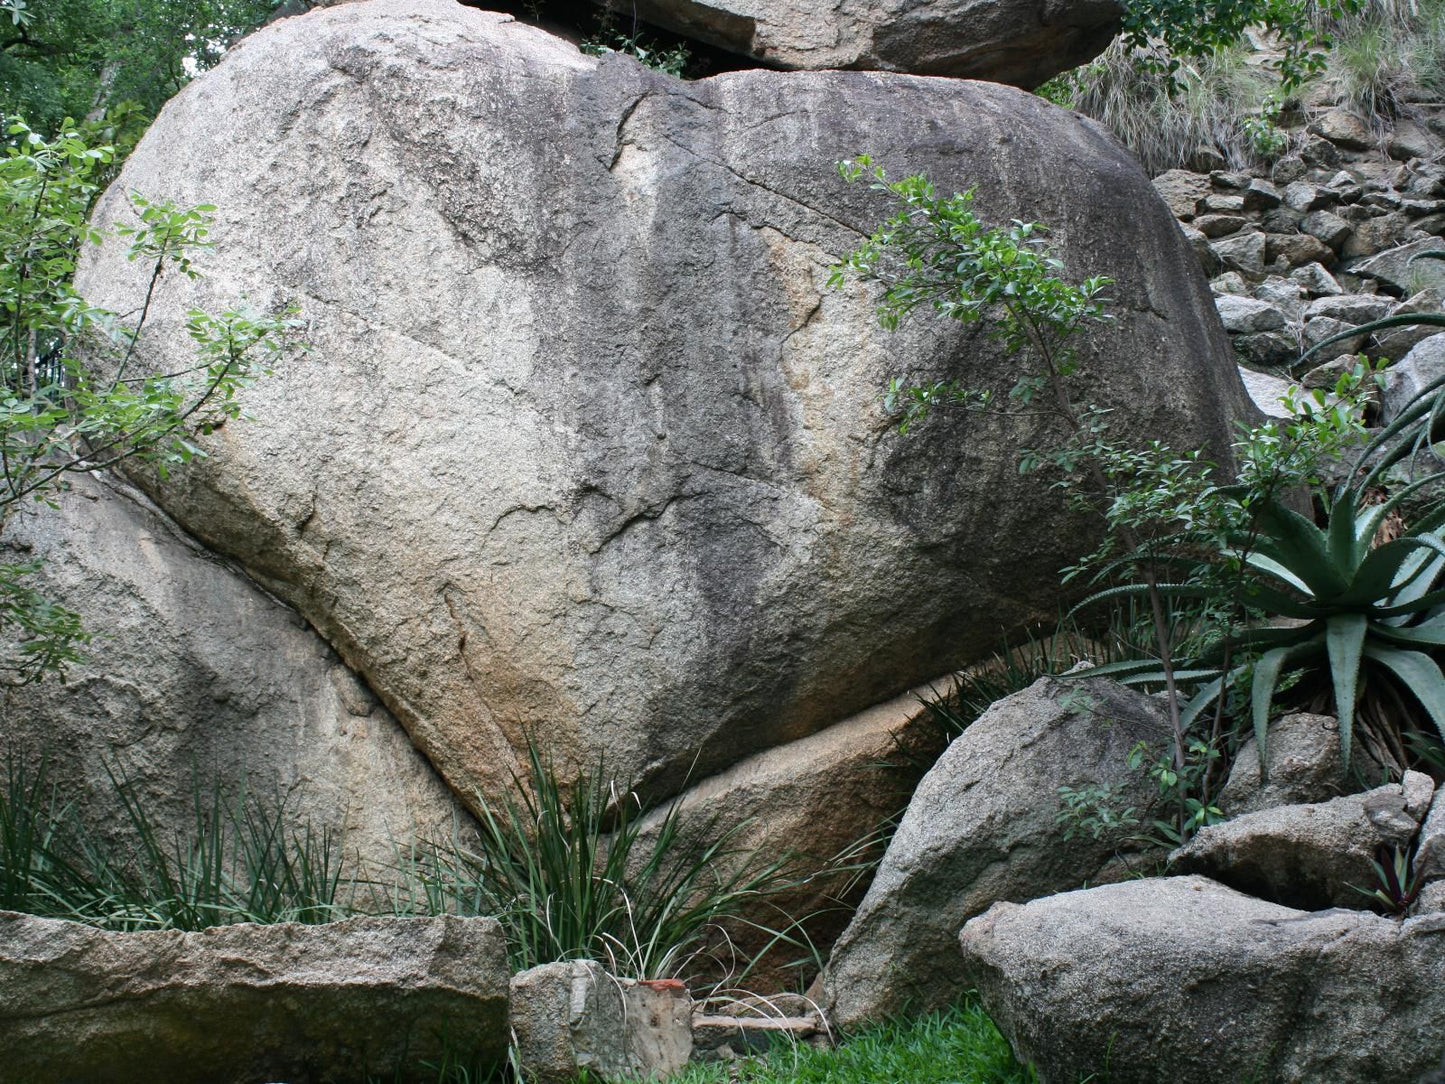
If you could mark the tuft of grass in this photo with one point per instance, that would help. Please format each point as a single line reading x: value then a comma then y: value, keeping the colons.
x: 240, y: 860
x: 960, y: 1046
x: 1389, y: 55
x: 1165, y: 130
x: 579, y: 870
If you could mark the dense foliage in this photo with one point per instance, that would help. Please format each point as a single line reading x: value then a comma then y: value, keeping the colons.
x: 78, y: 58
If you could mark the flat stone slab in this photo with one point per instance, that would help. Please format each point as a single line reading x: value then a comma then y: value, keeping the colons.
x: 328, y: 1004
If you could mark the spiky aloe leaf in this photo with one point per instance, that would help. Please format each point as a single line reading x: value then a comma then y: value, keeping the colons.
x: 1266, y: 676
x: 1417, y: 672
x: 1168, y: 590
x: 1119, y: 671
x: 1279, y: 571
x: 1345, y: 641
x: 1389, y: 570
x: 1430, y: 635
x: 1300, y: 546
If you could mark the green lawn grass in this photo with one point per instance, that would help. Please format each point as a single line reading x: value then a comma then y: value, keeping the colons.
x: 960, y: 1046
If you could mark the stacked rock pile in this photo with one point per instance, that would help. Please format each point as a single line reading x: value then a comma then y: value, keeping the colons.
x: 1323, y: 244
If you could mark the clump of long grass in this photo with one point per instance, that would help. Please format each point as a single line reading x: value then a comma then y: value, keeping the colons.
x: 579, y: 870
x: 239, y: 860
x: 1387, y: 55
x: 960, y: 1046
x: 1166, y: 127
x: 1121, y: 634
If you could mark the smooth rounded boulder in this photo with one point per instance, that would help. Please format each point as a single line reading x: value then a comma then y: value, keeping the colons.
x: 585, y: 452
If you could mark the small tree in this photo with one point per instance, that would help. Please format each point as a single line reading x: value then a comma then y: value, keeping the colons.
x: 74, y: 398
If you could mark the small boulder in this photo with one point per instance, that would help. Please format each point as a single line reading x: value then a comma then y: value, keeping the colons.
x: 1424, y: 364
x: 573, y: 1018
x: 1183, y: 191
x: 1287, y: 170
x: 1344, y: 129
x: 1231, y: 282
x: 1182, y: 979
x: 1316, y: 280
x: 1242, y: 315
x: 1243, y: 252
x: 1214, y: 225
x: 1329, y: 228
x: 1218, y: 203
x: 1266, y: 391
x: 1398, y: 267
x: 1375, y: 235
x: 984, y: 826
x: 1396, y: 342
x: 1260, y: 195
x: 1296, y: 249
x: 1350, y: 308
x: 1321, y: 328
x: 1309, y: 856
x: 1302, y: 751
x: 1284, y: 294
x: 1305, y: 197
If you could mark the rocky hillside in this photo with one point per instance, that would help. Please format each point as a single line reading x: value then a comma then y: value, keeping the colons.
x: 1324, y: 242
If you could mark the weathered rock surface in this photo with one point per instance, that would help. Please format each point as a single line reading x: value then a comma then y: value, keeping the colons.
x: 240, y: 1004
x: 1303, y: 757
x: 1310, y: 856
x: 814, y: 801
x: 584, y: 448
x: 1418, y: 369
x: 1021, y: 42
x: 195, y: 670
x: 983, y: 827
x: 1245, y: 314
x: 1182, y: 979
x: 573, y: 1018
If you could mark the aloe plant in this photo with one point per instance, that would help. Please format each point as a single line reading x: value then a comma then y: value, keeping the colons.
x: 1333, y: 599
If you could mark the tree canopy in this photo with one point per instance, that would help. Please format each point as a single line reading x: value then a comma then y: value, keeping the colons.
x: 78, y: 58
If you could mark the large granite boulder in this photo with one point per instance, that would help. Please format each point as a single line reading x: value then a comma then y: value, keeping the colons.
x: 368, y: 998
x: 984, y: 826
x: 584, y: 449
x: 193, y: 675
x: 1182, y: 979
x: 1021, y: 42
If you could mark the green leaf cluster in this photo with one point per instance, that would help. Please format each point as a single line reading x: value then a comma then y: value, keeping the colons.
x: 77, y: 58
x: 75, y: 395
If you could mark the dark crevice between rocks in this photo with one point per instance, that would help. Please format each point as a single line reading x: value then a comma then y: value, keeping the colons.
x: 580, y: 20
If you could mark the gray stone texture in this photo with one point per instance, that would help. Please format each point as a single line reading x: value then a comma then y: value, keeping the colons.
x: 583, y: 447
x: 1310, y: 856
x: 1181, y: 979
x: 1183, y: 191
x: 325, y: 1004
x: 1020, y: 42
x: 983, y: 826
x: 1302, y: 751
x: 572, y: 1017
x: 1417, y: 370
x: 1243, y: 314
x: 1400, y: 268
x: 193, y: 670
